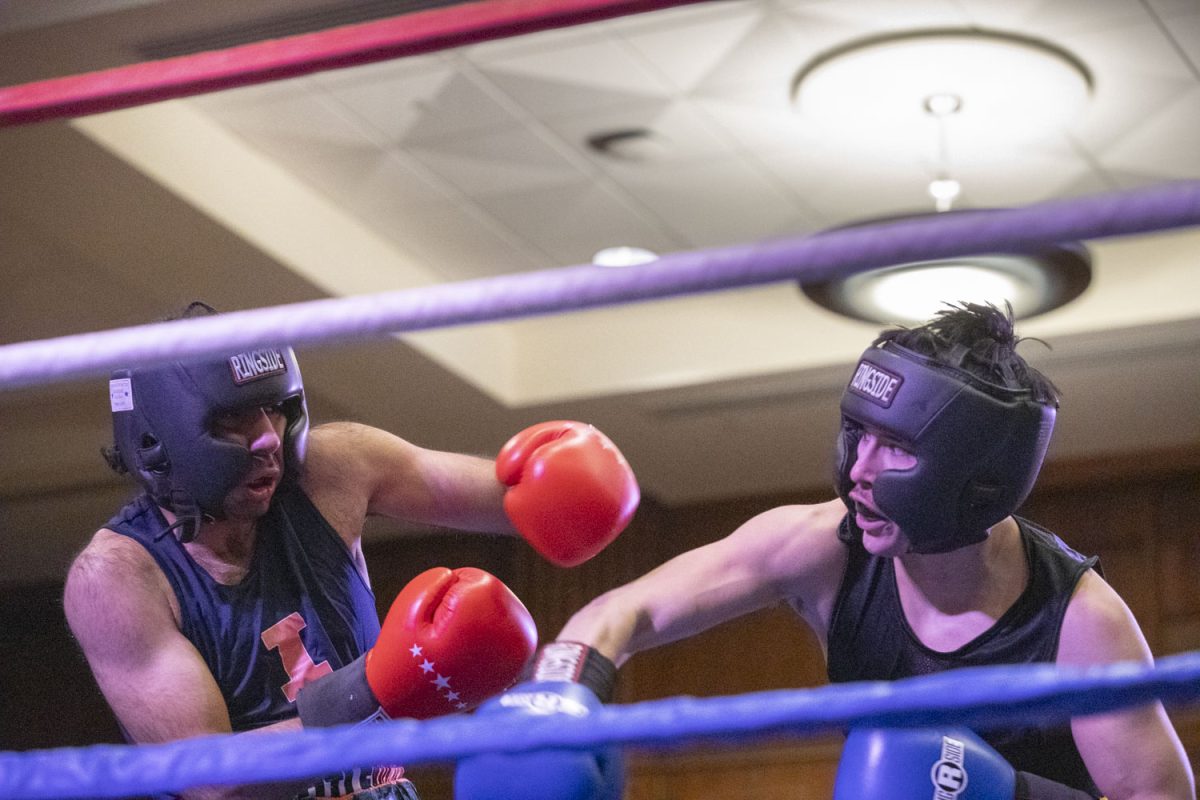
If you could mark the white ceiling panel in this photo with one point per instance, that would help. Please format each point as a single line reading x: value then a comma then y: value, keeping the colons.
x: 676, y: 132
x: 510, y: 160
x: 1053, y: 18
x: 1147, y: 147
x: 715, y: 201
x: 572, y: 221
x: 474, y: 163
x: 579, y: 75
x: 1183, y: 28
x: 393, y: 102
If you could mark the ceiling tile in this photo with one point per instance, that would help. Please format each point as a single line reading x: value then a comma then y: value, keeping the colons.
x: 769, y: 54
x: 1050, y: 18
x: 460, y: 107
x: 714, y: 202
x: 284, y: 109
x: 686, y: 51
x: 571, y: 222
x: 449, y: 234
x: 393, y: 104
x: 875, y: 16
x: 758, y: 121
x: 1148, y: 148
x: 833, y: 187
x: 1142, y: 49
x: 504, y: 161
x: 1120, y: 104
x: 590, y: 74
x: 1022, y: 176
x: 676, y: 130
x: 1184, y: 30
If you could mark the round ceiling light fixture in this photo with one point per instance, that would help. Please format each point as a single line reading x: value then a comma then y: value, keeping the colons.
x: 1034, y: 280
x: 892, y: 88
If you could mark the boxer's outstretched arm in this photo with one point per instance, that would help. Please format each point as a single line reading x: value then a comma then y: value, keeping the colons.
x: 788, y: 553
x: 564, y: 486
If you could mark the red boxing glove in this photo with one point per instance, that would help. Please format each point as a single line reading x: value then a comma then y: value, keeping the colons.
x: 451, y: 640
x: 572, y: 492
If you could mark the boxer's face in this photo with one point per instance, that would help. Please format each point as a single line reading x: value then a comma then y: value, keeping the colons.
x: 260, y: 430
x: 877, y: 452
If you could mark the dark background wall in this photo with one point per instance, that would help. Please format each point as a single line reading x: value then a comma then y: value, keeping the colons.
x: 1142, y: 518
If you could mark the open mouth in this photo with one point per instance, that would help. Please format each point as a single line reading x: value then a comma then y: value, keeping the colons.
x: 866, y: 512
x: 263, y: 484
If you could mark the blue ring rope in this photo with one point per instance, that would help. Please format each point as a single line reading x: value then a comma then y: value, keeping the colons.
x: 980, y: 697
x: 822, y: 256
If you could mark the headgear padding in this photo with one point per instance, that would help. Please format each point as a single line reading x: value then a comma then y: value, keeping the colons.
x: 162, y: 425
x: 978, y: 446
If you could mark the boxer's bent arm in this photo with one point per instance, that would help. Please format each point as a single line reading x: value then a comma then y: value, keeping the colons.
x: 155, y: 681
x: 391, y: 477
x: 787, y: 553
x: 1134, y: 753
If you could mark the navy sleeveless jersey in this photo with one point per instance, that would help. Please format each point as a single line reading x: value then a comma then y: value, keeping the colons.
x: 302, y: 605
x: 870, y: 639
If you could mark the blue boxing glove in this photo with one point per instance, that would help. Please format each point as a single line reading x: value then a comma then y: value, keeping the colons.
x: 902, y: 763
x: 567, y: 678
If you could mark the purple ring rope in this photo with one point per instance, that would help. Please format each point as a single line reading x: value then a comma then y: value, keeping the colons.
x: 813, y: 258
x: 978, y: 697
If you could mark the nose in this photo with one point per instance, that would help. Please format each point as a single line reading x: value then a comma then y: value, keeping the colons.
x: 864, y: 469
x: 264, y: 436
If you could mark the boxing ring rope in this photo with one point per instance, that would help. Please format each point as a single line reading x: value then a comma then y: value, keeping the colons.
x: 291, y: 56
x: 979, y: 697
x: 817, y: 257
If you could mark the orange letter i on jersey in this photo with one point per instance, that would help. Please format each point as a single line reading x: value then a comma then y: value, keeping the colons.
x: 285, y: 636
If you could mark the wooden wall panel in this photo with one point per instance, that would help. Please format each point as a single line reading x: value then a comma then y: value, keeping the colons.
x: 1145, y: 528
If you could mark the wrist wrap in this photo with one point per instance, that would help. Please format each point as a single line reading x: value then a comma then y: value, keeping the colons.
x: 575, y: 662
x: 341, y: 697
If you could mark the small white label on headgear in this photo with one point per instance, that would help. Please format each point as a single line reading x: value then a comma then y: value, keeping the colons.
x: 120, y: 394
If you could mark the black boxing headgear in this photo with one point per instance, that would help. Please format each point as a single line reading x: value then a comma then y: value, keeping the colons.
x: 979, y: 446
x: 162, y: 426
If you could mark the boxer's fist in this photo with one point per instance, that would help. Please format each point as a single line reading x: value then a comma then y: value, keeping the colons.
x: 543, y: 774
x: 895, y: 763
x: 571, y: 492
x: 567, y: 678
x: 452, y: 639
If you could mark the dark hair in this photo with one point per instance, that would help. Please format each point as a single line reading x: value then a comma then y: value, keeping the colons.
x: 196, y: 308
x: 980, y: 339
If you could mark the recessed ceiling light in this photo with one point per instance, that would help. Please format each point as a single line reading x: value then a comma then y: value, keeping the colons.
x: 623, y: 257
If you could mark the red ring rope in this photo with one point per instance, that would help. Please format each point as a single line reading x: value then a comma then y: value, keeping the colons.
x: 260, y: 62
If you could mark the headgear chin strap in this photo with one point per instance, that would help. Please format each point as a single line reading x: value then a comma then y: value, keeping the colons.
x: 978, y: 446
x: 162, y: 427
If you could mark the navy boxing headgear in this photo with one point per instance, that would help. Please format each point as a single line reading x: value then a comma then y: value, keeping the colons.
x: 978, y: 445
x: 162, y: 426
